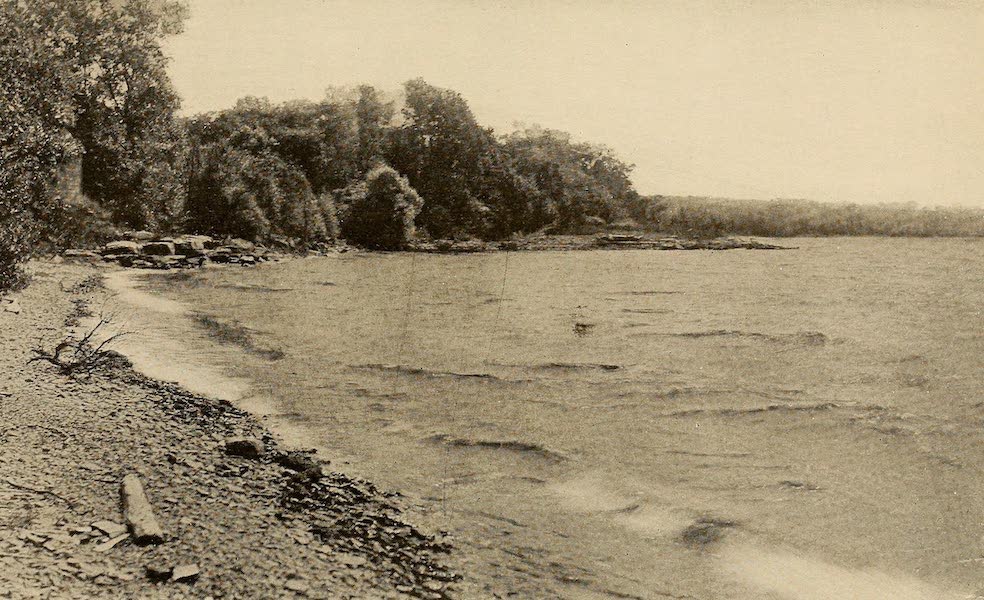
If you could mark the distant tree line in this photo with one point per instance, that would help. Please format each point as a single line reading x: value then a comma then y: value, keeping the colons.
x: 713, y: 217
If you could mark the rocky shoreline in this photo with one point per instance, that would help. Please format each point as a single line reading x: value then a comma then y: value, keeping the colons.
x: 144, y: 250
x: 237, y: 523
x: 607, y: 241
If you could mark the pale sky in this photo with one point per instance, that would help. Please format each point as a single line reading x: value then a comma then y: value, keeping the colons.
x: 842, y: 101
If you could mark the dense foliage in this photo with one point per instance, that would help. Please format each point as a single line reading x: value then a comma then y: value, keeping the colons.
x: 711, y: 217
x: 84, y: 79
x: 380, y: 211
x: 36, y: 87
x: 260, y: 171
x: 473, y: 184
x: 576, y: 181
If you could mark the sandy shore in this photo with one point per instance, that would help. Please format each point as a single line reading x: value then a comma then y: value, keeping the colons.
x: 250, y: 528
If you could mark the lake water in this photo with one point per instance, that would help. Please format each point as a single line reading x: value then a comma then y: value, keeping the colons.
x: 797, y: 424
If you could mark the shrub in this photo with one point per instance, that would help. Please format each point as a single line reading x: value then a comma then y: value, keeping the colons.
x: 380, y: 211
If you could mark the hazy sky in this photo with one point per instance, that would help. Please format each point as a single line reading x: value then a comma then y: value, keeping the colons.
x: 832, y: 101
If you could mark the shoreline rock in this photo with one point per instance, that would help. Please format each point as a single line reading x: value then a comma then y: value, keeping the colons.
x: 145, y: 251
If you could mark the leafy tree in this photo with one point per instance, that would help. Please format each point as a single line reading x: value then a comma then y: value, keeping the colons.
x: 38, y: 79
x: 256, y: 196
x: 577, y: 180
x: 260, y: 170
x: 134, y: 156
x: 83, y: 78
x: 373, y: 119
x: 380, y: 211
x: 513, y: 201
x: 440, y: 148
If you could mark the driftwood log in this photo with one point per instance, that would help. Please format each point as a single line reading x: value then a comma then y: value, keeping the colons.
x: 138, y: 512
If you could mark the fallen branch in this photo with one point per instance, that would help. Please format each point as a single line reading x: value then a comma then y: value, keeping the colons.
x: 138, y: 512
x: 84, y: 356
x: 27, y: 488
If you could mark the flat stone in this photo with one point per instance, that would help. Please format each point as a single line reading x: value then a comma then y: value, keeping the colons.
x: 240, y: 244
x: 110, y: 528
x: 121, y: 247
x: 140, y: 236
x: 159, y: 572
x: 168, y: 260
x: 111, y: 543
x: 89, y: 570
x: 185, y: 573
x: 80, y: 530
x: 77, y: 253
x: 298, y: 461
x: 189, y: 246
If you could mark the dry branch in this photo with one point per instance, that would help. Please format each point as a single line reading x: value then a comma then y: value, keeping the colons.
x: 27, y: 488
x: 83, y: 355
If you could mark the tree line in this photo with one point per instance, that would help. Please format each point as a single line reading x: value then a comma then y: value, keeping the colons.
x: 84, y: 84
x: 307, y: 171
x: 713, y: 217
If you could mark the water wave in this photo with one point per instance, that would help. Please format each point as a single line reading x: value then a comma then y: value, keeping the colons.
x: 408, y: 370
x: 734, y: 412
x: 579, y: 366
x: 808, y: 338
x: 512, y: 445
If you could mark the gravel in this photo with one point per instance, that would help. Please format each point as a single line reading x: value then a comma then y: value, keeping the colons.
x: 260, y: 527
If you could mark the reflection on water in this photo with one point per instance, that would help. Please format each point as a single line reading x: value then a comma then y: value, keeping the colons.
x: 622, y: 422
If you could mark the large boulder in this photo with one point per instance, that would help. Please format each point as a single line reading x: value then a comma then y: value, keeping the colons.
x: 158, y: 248
x: 121, y: 247
x: 167, y: 261
x: 222, y: 254
x: 240, y: 245
x: 189, y: 246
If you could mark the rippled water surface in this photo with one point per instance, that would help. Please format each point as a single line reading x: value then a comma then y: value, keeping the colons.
x: 794, y: 424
